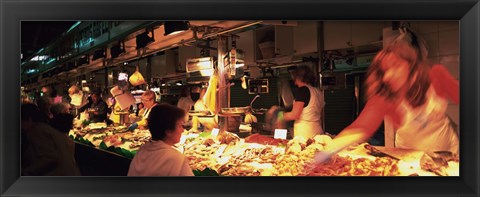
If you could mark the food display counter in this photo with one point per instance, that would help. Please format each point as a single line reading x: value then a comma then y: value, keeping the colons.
x: 226, y: 154
x: 114, y: 139
x: 223, y: 87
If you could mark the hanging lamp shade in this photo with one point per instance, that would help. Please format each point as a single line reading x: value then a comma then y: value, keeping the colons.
x: 116, y: 50
x: 174, y: 27
x: 143, y: 39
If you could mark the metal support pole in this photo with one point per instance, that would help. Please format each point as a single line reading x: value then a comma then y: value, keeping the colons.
x: 320, y: 49
x: 222, y: 82
x: 149, y: 72
x: 106, y: 78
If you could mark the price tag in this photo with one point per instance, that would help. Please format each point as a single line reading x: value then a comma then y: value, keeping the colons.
x: 215, y: 132
x: 280, y: 134
x: 183, y: 138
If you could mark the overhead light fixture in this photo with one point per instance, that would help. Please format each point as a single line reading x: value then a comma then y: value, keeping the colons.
x: 175, y: 27
x: 117, y: 49
x: 144, y: 39
x: 198, y: 64
x: 83, y: 60
x: 99, y: 54
x: 31, y: 71
x: 179, y: 83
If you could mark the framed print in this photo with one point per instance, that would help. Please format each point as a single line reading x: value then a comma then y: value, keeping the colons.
x: 450, y: 28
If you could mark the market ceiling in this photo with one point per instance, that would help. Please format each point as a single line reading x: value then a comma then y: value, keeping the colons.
x: 38, y: 34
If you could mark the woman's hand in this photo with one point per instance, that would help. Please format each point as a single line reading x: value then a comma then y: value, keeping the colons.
x: 322, y: 156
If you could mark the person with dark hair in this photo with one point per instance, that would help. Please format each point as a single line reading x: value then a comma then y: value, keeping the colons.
x: 86, y: 106
x: 59, y: 108
x: 404, y: 89
x: 158, y: 157
x: 140, y: 109
x: 29, y: 114
x: 44, y: 104
x: 307, y: 107
x: 185, y: 102
x: 98, y: 108
x: 45, y: 151
x: 63, y: 122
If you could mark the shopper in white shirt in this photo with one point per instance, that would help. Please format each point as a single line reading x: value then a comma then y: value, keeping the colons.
x: 158, y: 157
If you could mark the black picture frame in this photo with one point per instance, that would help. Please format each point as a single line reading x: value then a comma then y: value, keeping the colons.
x: 12, y: 12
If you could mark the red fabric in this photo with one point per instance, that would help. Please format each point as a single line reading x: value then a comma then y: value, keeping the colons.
x: 445, y: 85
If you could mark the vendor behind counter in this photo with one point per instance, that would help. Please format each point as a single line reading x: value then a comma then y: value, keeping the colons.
x: 98, y: 109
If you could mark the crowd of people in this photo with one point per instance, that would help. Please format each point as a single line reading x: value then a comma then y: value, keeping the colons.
x: 47, y: 150
x: 45, y: 146
x: 401, y: 86
x: 45, y: 124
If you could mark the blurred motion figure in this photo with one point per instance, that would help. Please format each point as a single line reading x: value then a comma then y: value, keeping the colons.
x: 404, y: 89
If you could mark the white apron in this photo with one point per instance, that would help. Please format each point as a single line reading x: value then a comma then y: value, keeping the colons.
x: 309, y: 123
x: 427, y: 127
x: 146, y: 113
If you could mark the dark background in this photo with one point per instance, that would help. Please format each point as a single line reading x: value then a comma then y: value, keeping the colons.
x: 15, y: 11
x: 38, y: 34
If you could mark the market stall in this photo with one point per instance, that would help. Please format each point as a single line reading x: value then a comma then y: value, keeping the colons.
x: 302, y: 87
x: 226, y: 154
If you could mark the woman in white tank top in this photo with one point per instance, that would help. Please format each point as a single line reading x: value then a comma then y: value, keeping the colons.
x: 308, y: 104
x: 403, y: 88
